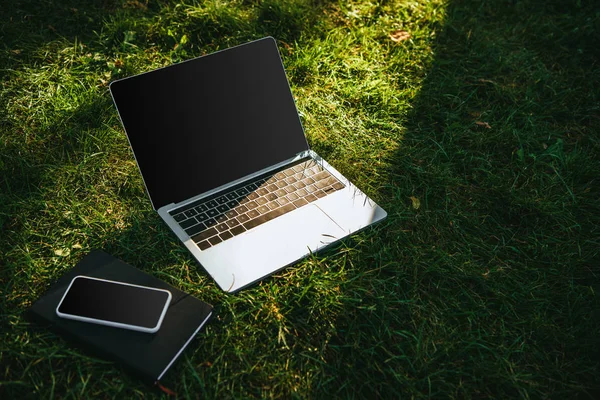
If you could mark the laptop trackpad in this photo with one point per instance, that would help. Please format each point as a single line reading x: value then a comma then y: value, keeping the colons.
x: 254, y: 254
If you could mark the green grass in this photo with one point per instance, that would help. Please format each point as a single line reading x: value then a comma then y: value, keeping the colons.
x: 478, y: 135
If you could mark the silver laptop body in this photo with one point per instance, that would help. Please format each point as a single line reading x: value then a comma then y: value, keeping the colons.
x: 247, y: 228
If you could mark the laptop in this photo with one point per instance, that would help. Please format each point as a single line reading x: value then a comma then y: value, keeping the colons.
x: 223, y: 155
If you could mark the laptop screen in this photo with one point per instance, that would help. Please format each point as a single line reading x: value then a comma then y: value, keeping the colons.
x: 200, y: 124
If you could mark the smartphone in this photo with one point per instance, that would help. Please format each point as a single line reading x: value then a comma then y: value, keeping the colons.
x: 116, y: 304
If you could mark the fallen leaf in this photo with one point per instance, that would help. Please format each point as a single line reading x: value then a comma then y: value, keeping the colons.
x: 484, y: 124
x: 416, y: 203
x: 62, y: 253
x: 399, y: 35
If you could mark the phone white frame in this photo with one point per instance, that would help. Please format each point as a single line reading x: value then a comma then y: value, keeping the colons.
x: 111, y: 323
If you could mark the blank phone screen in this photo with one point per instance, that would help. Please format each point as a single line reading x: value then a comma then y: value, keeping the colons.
x: 114, y: 302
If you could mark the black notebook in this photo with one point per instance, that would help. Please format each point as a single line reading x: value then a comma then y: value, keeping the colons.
x: 148, y: 355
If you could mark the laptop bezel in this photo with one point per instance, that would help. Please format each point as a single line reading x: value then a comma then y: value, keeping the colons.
x: 292, y: 157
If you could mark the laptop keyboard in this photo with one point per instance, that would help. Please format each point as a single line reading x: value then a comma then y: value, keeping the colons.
x: 222, y: 216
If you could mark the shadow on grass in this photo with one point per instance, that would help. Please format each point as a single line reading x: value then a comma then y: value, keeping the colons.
x: 499, y: 158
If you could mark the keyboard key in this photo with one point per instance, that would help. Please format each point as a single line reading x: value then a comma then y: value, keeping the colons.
x: 241, y: 209
x: 188, y: 222
x: 237, y: 230
x: 242, y: 192
x: 310, y: 198
x: 226, y: 235
x: 210, y: 222
x: 201, y: 208
x: 179, y: 217
x: 320, y: 175
x: 190, y: 213
x: 331, y: 180
x: 204, y: 235
x: 251, y: 205
x: 301, y: 192
x: 221, y: 218
x: 280, y: 175
x: 262, y: 201
x: 204, y: 245
x: 222, y: 200
x: 212, y: 212
x: 231, y: 196
x: 273, y: 205
x: 272, y: 188
x: 329, y: 189
x: 283, y: 200
x: 201, y: 217
x: 299, y: 185
x: 253, y: 214
x: 232, y: 222
x: 251, y: 187
x: 300, y: 202
x: 232, y: 204
x: 215, y: 240
x: 290, y: 180
x: 263, y: 209
x: 321, y: 184
x: 259, y: 182
x: 281, y: 184
x: 271, y: 180
x: 211, y: 204
x: 290, y: 189
x: 222, y: 208
x: 310, y: 188
x: 195, y: 229
x: 252, y: 196
x: 231, y: 213
x: 292, y: 196
x: 222, y: 227
x: 308, y: 181
x: 289, y: 172
x: 269, y: 216
x: 271, y: 197
x: 243, y: 218
x: 336, y: 186
x: 319, y: 193
x: 262, y: 191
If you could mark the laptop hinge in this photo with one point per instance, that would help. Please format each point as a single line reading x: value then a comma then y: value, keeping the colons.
x: 300, y: 156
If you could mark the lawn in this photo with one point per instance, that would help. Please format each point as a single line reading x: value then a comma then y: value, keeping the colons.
x: 474, y: 123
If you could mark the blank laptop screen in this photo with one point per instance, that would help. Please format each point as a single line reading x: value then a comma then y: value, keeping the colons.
x: 202, y: 123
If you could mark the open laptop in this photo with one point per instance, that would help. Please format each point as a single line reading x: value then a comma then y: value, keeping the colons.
x: 223, y: 155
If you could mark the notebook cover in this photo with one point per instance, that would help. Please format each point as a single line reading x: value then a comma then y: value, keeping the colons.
x: 148, y: 355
